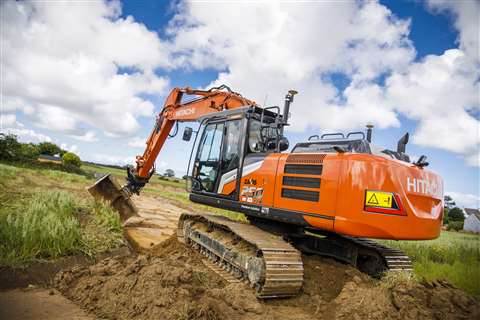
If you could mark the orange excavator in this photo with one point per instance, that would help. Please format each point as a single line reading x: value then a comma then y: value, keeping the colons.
x: 328, y: 196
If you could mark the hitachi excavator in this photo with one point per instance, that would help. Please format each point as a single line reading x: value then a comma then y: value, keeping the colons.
x: 328, y: 196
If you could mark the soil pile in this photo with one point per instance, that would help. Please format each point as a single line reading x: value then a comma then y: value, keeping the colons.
x: 171, y: 282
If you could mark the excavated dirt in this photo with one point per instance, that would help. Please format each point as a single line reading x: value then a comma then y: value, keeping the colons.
x: 171, y: 282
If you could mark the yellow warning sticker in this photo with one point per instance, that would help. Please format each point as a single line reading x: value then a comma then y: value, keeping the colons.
x: 379, y: 199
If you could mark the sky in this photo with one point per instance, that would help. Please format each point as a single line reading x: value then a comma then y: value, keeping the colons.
x: 91, y: 75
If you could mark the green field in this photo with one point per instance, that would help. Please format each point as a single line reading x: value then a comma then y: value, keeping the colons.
x: 453, y: 256
x: 47, y: 213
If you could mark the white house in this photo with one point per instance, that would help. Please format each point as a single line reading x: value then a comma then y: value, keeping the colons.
x: 472, y: 222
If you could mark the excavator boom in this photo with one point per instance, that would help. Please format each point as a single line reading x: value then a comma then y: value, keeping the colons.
x: 208, y: 102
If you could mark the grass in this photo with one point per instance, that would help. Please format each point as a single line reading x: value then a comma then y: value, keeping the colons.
x: 453, y: 256
x: 99, y: 169
x: 43, y: 227
x: 40, y: 219
x: 52, y: 224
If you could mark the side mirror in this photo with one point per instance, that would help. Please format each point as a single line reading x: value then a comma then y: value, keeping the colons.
x: 402, y: 143
x: 283, y: 144
x: 187, y: 134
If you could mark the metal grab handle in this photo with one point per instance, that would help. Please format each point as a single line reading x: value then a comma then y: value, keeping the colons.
x: 332, y: 134
x: 356, y: 132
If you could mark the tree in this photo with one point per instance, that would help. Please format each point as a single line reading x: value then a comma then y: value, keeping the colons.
x: 9, y: 147
x: 449, y: 203
x: 169, y: 173
x: 445, y: 216
x: 29, y: 151
x: 70, y: 159
x: 456, y: 214
x: 49, y: 148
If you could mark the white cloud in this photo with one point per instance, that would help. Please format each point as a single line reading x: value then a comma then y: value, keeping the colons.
x: 89, y: 136
x: 287, y: 45
x: 9, y: 121
x: 465, y: 200
x: 70, y: 148
x: 299, y: 46
x: 438, y: 92
x: 111, y: 159
x: 137, y: 142
x: 63, y: 68
x: 28, y: 135
x: 467, y: 17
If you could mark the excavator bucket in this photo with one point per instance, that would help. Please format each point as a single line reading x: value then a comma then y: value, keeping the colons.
x: 108, y: 189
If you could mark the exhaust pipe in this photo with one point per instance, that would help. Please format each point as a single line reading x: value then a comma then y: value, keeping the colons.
x: 369, y: 132
x: 286, y: 108
x: 108, y: 189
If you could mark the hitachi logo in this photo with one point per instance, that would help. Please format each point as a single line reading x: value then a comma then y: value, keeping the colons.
x: 422, y: 186
x: 185, y: 112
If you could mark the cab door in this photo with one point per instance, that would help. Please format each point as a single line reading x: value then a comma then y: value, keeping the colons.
x: 207, y: 162
x: 219, y: 152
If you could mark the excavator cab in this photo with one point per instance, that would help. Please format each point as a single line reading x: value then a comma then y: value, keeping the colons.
x: 227, y: 141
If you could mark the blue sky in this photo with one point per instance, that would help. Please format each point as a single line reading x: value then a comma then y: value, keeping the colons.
x: 158, y: 45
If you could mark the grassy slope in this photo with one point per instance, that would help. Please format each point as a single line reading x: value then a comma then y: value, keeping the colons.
x: 47, y: 214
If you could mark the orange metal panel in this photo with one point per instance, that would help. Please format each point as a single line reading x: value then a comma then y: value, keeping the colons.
x: 419, y: 190
x: 328, y: 185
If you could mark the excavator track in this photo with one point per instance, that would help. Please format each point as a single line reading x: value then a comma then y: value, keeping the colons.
x: 268, y: 263
x: 365, y: 254
x: 394, y: 259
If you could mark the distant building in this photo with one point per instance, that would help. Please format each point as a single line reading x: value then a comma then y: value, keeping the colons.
x: 48, y: 158
x: 472, y: 222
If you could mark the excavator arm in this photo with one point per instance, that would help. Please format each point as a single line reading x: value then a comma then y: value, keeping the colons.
x: 205, y: 103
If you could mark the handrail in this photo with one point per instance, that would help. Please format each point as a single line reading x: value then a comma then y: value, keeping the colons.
x: 356, y: 132
x: 332, y: 134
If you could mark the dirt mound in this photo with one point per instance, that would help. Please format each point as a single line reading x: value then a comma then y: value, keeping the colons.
x: 408, y: 300
x: 171, y: 282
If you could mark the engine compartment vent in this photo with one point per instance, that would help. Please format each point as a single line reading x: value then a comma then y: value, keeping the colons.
x: 303, y: 169
x: 301, y: 182
x: 313, y: 196
x: 306, y: 158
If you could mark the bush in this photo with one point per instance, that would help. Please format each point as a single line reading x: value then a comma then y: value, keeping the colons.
x: 455, y: 225
x: 456, y: 214
x: 29, y: 151
x: 70, y: 159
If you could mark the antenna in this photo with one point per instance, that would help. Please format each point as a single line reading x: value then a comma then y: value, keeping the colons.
x: 265, y: 100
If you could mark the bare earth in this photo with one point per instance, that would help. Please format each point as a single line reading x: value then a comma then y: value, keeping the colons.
x: 170, y: 281
x: 156, y: 222
x: 38, y: 304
